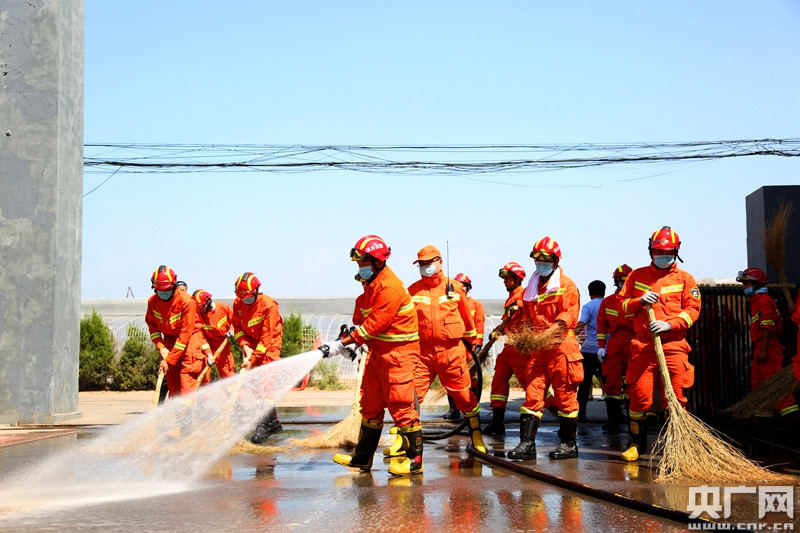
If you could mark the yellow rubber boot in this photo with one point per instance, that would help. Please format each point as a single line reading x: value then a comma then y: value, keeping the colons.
x: 631, y: 454
x: 411, y: 464
x: 475, y: 432
x: 637, y: 426
x: 396, y: 449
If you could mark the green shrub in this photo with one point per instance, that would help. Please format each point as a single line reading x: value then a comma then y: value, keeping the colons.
x: 297, y: 336
x: 137, y: 368
x: 325, y: 376
x: 96, y: 359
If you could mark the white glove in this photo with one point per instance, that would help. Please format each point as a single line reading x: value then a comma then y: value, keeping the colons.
x: 659, y: 326
x: 649, y: 298
x: 332, y: 348
x: 601, y: 354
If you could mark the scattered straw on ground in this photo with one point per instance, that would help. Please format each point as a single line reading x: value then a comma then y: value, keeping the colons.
x: 691, y: 450
x: 766, y: 396
x: 529, y: 340
x: 245, y: 446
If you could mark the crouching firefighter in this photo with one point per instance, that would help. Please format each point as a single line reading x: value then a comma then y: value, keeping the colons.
x: 386, y: 321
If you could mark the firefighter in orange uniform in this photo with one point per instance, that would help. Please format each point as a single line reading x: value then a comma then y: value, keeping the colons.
x: 479, y: 317
x: 614, y: 336
x: 675, y: 299
x: 258, y: 328
x: 217, y: 318
x: 766, y: 327
x: 510, y: 360
x: 552, y: 303
x: 446, y: 332
x: 386, y: 322
x: 176, y: 331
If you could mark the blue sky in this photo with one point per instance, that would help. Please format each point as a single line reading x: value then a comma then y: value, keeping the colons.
x: 428, y: 73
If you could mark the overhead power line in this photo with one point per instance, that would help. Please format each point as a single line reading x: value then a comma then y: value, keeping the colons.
x: 416, y: 159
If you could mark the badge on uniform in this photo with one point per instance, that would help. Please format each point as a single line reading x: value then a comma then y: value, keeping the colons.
x: 695, y: 292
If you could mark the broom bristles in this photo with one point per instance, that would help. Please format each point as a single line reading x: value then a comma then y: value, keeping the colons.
x: 691, y: 450
x: 528, y: 340
x: 774, y: 238
x: 764, y: 398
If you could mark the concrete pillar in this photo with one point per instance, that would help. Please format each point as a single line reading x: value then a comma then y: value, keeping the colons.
x: 41, y: 187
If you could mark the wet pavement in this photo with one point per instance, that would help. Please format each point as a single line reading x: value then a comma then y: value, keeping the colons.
x: 303, y: 490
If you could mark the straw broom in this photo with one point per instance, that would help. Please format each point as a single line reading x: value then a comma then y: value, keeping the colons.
x: 764, y: 398
x: 346, y: 432
x: 774, y: 239
x: 530, y: 340
x: 691, y: 450
x: 782, y: 383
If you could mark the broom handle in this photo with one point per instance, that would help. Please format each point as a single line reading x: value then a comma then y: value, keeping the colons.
x: 485, y: 350
x: 672, y: 400
x: 157, y: 393
x: 211, y: 361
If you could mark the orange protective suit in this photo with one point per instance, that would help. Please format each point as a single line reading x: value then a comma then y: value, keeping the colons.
x: 386, y: 321
x: 259, y: 326
x: 478, y: 317
x: 509, y: 361
x: 216, y: 324
x: 175, y: 324
x: 679, y: 304
x: 614, y: 333
x: 445, y: 324
x: 764, y: 316
x: 560, y: 366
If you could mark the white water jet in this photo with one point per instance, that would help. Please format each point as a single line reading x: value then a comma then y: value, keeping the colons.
x: 164, y: 451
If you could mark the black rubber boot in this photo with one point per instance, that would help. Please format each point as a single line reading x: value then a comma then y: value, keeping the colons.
x: 615, y: 416
x: 268, y: 425
x: 497, y: 426
x: 526, y: 449
x: 411, y: 464
x: 452, y: 413
x: 568, y: 449
x: 368, y: 439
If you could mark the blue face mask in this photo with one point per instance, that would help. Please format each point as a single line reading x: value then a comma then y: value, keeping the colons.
x: 165, y: 295
x: 365, y: 272
x: 663, y: 261
x: 544, y: 268
x: 749, y: 291
x: 249, y: 300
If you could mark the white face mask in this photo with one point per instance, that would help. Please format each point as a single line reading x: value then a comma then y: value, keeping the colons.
x: 427, y: 271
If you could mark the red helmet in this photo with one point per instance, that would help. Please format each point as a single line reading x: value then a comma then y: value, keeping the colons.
x: 546, y: 248
x: 665, y: 240
x: 464, y: 280
x: 512, y: 268
x: 622, y: 271
x: 246, y: 285
x: 163, y: 279
x: 370, y: 245
x: 202, y: 297
x: 756, y: 275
